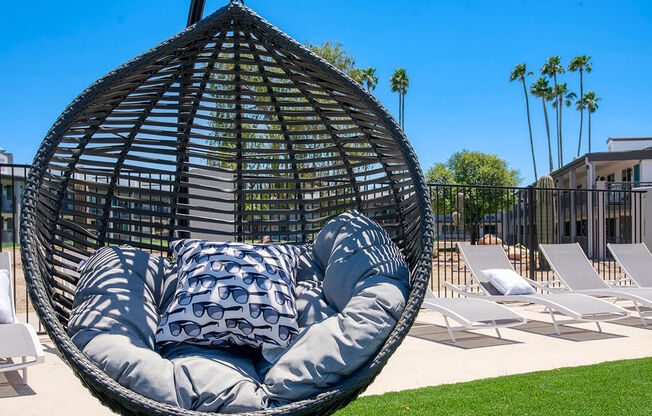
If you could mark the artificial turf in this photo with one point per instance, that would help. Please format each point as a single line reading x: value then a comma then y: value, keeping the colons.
x: 613, y: 388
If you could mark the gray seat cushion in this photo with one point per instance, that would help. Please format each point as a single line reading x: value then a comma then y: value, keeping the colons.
x: 365, y: 285
x: 352, y: 285
x: 118, y: 303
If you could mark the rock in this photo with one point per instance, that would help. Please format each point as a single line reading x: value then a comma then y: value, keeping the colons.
x: 490, y: 239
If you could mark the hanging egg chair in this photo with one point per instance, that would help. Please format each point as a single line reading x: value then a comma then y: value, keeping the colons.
x: 230, y: 130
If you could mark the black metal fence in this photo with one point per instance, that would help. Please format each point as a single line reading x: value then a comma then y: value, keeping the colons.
x: 517, y: 218
x: 12, y: 181
x: 522, y: 218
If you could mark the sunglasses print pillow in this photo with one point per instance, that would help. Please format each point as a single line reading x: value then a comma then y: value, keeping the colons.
x: 232, y: 294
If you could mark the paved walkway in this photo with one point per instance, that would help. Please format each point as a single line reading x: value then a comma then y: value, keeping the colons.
x: 426, y: 358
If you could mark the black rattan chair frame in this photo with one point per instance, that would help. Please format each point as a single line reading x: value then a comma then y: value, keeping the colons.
x: 166, y: 142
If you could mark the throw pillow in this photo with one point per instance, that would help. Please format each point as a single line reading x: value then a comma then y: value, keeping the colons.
x: 508, y: 282
x: 231, y: 294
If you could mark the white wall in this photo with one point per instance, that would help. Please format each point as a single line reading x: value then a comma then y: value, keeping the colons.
x: 646, y: 170
x: 630, y: 144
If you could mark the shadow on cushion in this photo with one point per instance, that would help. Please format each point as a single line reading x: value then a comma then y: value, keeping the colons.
x: 352, y: 287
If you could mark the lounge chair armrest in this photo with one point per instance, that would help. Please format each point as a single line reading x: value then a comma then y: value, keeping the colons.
x: 616, y: 283
x: 463, y: 290
x: 546, y: 285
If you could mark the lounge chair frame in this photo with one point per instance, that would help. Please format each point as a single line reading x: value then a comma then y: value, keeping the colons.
x: 467, y: 323
x: 626, y: 274
x: 608, y: 290
x: 18, y: 339
x: 478, y: 290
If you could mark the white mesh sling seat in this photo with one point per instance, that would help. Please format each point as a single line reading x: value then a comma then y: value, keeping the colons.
x: 229, y: 130
x: 579, y: 308
x: 573, y: 269
x: 472, y: 313
x: 635, y: 261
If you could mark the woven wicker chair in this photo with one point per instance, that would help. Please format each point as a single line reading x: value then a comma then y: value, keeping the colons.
x: 228, y: 130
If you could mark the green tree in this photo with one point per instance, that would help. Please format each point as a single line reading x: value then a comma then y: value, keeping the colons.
x: 468, y: 169
x: 541, y: 89
x: 590, y: 101
x: 477, y: 168
x: 551, y: 68
x: 399, y: 82
x: 519, y: 73
x: 563, y: 97
x: 580, y: 63
x: 439, y: 173
x: 334, y: 52
x: 369, y: 78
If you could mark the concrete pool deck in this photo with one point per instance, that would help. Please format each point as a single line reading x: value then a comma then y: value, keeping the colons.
x: 426, y: 358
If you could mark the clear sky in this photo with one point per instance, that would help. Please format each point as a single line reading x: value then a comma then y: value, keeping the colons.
x: 458, y: 55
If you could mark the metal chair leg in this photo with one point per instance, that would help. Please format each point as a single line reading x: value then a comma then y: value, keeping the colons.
x: 450, y: 331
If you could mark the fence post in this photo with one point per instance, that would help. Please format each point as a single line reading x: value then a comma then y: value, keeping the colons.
x: 532, y: 231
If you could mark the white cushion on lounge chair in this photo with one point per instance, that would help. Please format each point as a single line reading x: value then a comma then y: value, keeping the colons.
x: 6, y: 309
x: 508, y: 282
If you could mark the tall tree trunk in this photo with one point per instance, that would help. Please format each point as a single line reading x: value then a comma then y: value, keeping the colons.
x: 403, y: 112
x: 399, y: 109
x: 561, y: 142
x: 579, y: 143
x: 589, y: 111
x: 557, y: 122
x: 529, y: 126
x: 402, y: 115
x: 545, y: 114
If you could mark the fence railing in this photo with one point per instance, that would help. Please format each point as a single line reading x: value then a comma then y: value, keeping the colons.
x: 522, y: 218
x: 12, y: 181
x: 518, y: 218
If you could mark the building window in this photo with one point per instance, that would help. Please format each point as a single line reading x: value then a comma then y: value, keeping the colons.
x: 582, y: 228
x: 610, y: 228
x: 637, y: 173
x: 611, y: 177
x: 626, y: 175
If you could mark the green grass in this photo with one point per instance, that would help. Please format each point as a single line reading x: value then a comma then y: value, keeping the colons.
x: 614, y: 388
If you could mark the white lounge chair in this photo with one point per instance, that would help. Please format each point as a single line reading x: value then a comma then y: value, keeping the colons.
x: 635, y: 261
x: 580, y: 308
x: 573, y: 269
x: 472, y: 313
x: 17, y: 339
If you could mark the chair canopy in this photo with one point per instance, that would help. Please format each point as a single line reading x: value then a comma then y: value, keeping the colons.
x: 229, y: 130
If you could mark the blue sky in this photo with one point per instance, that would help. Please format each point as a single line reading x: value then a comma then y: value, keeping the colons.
x: 458, y: 55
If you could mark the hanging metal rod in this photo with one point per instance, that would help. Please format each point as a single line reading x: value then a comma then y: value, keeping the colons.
x: 196, y: 11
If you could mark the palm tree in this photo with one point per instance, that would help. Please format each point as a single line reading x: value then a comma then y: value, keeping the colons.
x: 580, y: 63
x: 564, y: 97
x: 590, y: 101
x: 551, y: 68
x: 519, y: 73
x: 368, y: 76
x: 399, y: 82
x: 541, y: 89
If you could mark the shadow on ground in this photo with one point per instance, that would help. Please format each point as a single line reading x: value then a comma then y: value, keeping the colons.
x: 635, y: 322
x: 570, y: 333
x: 11, y: 385
x: 465, y: 339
